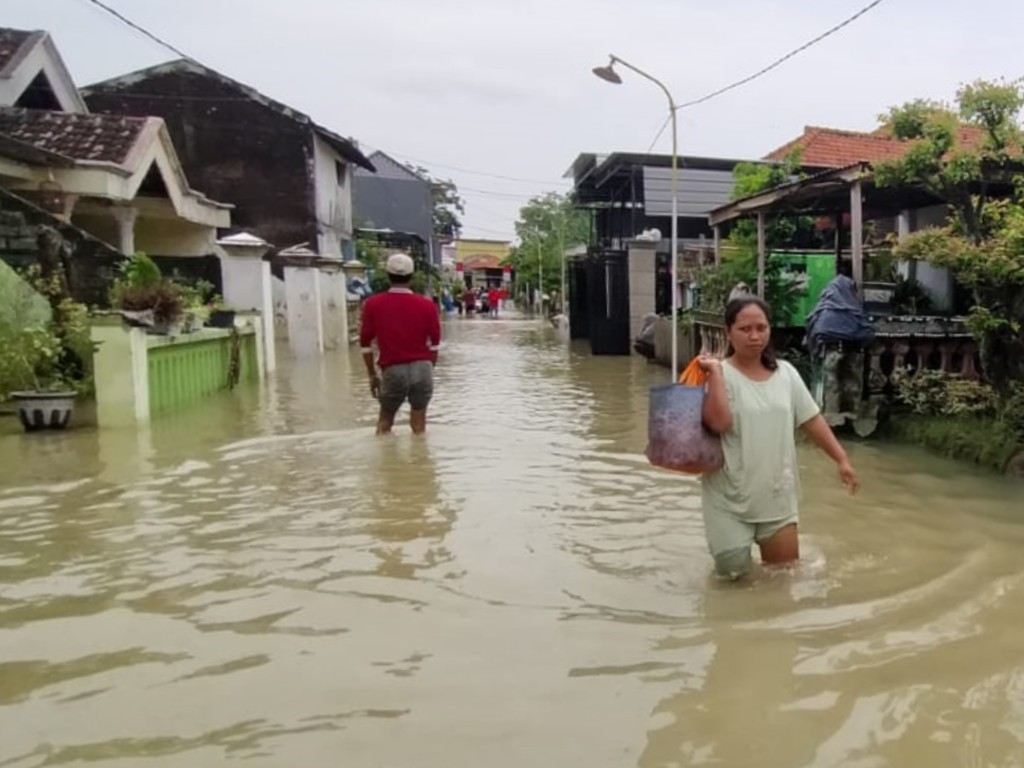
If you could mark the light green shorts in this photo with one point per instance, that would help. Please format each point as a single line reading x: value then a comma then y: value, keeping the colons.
x: 730, y: 540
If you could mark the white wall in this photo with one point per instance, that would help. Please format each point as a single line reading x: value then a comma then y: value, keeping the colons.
x: 333, y: 201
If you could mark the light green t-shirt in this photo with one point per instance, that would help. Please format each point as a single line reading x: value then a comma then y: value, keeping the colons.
x: 759, y: 481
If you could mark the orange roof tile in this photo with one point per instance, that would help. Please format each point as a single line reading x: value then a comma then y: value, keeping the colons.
x: 834, y: 148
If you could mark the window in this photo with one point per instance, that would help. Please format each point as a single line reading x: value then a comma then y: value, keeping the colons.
x: 341, y: 171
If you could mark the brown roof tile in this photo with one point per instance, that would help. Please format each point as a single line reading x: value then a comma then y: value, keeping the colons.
x: 98, y: 138
x: 11, y: 41
x: 834, y: 148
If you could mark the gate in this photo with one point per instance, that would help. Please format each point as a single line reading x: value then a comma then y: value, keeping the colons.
x: 608, y: 303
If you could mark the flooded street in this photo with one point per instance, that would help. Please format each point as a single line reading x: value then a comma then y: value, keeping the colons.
x: 263, y: 580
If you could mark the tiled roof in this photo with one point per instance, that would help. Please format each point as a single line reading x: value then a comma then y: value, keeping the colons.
x: 97, y: 138
x: 833, y: 148
x: 11, y: 42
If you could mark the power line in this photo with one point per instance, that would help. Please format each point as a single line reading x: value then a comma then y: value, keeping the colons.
x: 478, y: 173
x: 760, y: 73
x: 784, y: 59
x: 125, y: 20
x: 178, y: 52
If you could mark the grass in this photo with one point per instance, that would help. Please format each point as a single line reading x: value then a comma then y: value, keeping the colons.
x: 985, y: 442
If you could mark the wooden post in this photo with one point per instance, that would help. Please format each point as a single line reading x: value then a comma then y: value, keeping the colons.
x: 760, y: 253
x: 718, y: 246
x: 857, y: 233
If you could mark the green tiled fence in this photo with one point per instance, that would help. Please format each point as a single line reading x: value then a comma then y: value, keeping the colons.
x: 188, y: 368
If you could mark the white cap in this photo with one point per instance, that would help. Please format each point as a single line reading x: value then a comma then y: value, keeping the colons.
x: 400, y: 264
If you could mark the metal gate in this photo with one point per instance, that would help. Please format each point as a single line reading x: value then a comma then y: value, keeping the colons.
x: 608, y: 302
x: 579, y: 315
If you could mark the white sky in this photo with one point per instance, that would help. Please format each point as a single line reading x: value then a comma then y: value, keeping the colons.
x: 504, y: 86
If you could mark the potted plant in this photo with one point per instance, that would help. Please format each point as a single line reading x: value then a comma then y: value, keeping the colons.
x: 147, y: 297
x: 44, y: 360
x: 195, y: 309
x: 221, y: 315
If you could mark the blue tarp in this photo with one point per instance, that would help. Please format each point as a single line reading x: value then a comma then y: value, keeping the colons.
x: 838, y: 316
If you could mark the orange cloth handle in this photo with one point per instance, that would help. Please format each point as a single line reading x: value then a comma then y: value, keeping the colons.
x: 693, y: 375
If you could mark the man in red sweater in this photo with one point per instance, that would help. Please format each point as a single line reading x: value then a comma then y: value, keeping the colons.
x: 407, y: 330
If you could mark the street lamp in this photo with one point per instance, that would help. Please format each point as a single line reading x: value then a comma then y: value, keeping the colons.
x: 608, y: 74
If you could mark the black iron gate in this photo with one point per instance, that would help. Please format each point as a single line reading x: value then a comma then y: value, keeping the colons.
x: 608, y: 302
x: 579, y: 314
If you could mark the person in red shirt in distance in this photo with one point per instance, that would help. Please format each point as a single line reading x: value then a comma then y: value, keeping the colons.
x: 407, y: 330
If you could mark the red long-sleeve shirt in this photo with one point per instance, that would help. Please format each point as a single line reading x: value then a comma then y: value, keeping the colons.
x: 405, y: 326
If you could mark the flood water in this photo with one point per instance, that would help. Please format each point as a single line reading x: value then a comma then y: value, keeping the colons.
x: 262, y: 580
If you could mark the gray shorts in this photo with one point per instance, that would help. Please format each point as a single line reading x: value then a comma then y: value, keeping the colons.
x: 730, y: 540
x: 407, y: 381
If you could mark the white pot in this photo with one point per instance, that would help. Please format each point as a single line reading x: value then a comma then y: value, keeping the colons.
x: 44, y: 410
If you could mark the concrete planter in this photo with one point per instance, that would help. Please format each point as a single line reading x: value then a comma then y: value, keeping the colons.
x: 40, y: 411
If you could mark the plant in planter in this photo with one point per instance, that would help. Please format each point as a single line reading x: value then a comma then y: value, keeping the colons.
x: 44, y: 363
x: 221, y: 315
x: 147, y: 297
x: 195, y: 299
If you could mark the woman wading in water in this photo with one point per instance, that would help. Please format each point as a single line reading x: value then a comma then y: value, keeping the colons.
x: 755, y: 403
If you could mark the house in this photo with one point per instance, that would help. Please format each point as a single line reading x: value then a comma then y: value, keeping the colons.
x: 831, y: 150
x: 289, y: 178
x: 117, y: 178
x: 626, y: 272
x: 481, y: 261
x: 395, y: 199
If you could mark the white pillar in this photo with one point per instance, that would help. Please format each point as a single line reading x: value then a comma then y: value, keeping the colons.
x: 642, y: 262
x: 857, y: 233
x: 334, y: 304
x: 302, y: 293
x: 247, y: 285
x: 121, y: 372
x: 125, y: 216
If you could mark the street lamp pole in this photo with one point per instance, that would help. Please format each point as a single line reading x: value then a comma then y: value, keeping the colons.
x: 609, y: 74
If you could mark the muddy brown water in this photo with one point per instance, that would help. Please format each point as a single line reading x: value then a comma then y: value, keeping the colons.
x: 262, y: 580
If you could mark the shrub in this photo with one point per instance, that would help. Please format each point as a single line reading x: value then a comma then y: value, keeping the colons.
x: 937, y: 393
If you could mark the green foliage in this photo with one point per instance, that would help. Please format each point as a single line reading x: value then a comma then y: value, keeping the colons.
x: 908, y: 296
x: 448, y: 204
x: 780, y: 291
x: 983, y: 244
x: 373, y: 255
x: 49, y: 353
x: 739, y: 262
x: 987, y: 442
x: 547, y: 225
x: 140, y: 271
x: 937, y: 393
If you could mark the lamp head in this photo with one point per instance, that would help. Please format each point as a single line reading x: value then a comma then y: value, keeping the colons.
x: 608, y: 73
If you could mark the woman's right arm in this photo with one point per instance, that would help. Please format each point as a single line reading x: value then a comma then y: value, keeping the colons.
x: 717, y: 415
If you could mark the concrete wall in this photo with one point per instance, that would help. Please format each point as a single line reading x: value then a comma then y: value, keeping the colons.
x: 333, y: 196
x: 232, y: 148
x: 642, y: 271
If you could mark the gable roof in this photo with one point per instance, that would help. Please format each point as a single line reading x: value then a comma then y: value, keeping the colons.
x: 823, y: 147
x: 347, y: 148
x: 37, y: 51
x: 14, y: 45
x: 82, y: 138
x: 387, y: 166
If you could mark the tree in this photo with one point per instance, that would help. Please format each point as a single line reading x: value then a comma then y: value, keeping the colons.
x: 547, y: 225
x: 739, y: 260
x: 448, y: 204
x: 983, y: 185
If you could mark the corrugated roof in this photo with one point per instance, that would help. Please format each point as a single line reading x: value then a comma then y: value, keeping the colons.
x: 96, y: 138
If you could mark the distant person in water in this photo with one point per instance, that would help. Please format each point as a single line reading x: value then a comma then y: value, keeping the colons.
x: 755, y: 402
x: 407, y: 330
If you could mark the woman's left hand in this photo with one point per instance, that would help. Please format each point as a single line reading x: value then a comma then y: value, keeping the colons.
x: 849, y: 476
